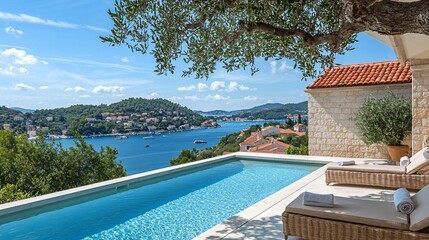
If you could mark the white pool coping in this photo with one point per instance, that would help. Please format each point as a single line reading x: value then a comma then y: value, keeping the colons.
x: 124, y: 182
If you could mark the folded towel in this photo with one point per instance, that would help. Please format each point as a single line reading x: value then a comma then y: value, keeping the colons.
x: 402, y: 201
x: 346, y: 163
x: 318, y: 200
x: 404, y: 161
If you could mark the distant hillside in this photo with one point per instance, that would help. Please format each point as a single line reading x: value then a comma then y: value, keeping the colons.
x: 8, y: 111
x: 130, y: 115
x: 23, y: 110
x: 263, y: 107
x: 278, y: 112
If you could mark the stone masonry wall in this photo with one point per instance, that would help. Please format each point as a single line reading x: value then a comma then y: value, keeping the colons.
x: 332, y: 131
x: 420, y: 105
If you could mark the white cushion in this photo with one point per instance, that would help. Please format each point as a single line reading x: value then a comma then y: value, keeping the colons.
x: 369, y: 168
x: 367, y: 212
x: 419, y: 161
x: 419, y: 218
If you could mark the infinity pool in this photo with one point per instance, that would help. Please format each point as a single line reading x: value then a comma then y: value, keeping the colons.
x: 180, y: 206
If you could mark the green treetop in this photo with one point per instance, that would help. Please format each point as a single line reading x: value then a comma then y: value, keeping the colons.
x: 235, y: 32
x: 32, y: 168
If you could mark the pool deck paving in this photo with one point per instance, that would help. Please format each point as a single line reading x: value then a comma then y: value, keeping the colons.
x: 264, y: 219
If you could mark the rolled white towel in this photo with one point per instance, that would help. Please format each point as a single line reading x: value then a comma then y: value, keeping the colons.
x: 346, y: 163
x: 404, y: 161
x: 402, y: 201
x: 426, y: 153
x: 318, y: 200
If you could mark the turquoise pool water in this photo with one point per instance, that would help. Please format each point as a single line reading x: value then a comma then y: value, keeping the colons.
x: 175, y: 207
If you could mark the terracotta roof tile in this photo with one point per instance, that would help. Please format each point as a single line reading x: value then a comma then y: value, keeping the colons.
x: 289, y: 131
x: 250, y: 140
x: 377, y: 73
x: 271, y: 147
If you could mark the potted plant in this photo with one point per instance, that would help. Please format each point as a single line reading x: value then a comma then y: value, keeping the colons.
x: 387, y: 121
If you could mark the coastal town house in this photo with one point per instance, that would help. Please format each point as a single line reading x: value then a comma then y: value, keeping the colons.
x: 272, y: 146
x: 270, y: 131
x: 414, y: 48
x: 334, y: 98
x: 300, y: 127
x: 328, y: 135
x: 253, y: 140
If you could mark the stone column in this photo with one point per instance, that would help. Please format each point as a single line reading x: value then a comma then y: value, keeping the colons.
x: 420, y: 96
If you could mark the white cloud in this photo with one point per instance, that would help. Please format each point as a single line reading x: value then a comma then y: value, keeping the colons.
x: 217, y: 85
x: 192, y: 98
x: 234, y: 86
x: 175, y: 98
x: 190, y: 88
x: 153, y: 95
x: 202, y: 87
x: 98, y: 29
x: 107, y: 89
x: 284, y: 67
x: 31, y: 19
x: 85, y: 96
x: 250, y: 98
x: 125, y: 59
x: 75, y: 89
x: 8, y: 71
x: 23, y: 87
x: 43, y: 87
x: 216, y: 97
x: 21, y: 56
x: 13, y: 31
x: 12, y: 70
x: 125, y: 67
x: 273, y: 67
x: 22, y: 69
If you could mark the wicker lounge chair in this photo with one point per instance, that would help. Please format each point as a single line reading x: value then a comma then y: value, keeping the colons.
x: 352, y: 219
x: 414, y: 176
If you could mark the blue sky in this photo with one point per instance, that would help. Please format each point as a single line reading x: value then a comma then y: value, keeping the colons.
x: 51, y: 56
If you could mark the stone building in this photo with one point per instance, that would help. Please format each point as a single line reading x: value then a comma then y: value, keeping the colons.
x: 334, y: 98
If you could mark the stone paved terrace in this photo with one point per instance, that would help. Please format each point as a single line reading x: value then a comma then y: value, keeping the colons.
x: 264, y: 221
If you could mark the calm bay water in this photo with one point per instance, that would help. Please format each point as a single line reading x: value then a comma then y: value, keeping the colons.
x: 138, y: 158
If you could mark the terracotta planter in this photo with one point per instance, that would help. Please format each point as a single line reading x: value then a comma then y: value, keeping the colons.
x: 396, y: 152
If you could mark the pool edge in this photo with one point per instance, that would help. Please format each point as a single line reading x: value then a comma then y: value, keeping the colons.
x: 34, y: 202
x: 123, y: 182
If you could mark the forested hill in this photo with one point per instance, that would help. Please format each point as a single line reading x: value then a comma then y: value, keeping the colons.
x: 158, y: 107
x: 8, y: 111
x: 130, y: 115
x: 263, y: 107
x: 278, y: 112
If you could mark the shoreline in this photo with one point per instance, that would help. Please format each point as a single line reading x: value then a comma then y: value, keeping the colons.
x: 59, y: 137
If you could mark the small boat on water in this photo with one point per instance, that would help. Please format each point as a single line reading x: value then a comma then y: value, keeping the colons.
x: 148, y: 138
x: 122, y: 137
x: 199, y: 141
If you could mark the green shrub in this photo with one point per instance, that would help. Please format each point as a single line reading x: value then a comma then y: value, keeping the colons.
x: 302, y: 150
x: 31, y: 168
x: 386, y: 120
x: 11, y: 192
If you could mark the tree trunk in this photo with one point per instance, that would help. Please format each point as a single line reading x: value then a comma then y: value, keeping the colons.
x: 396, y: 18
